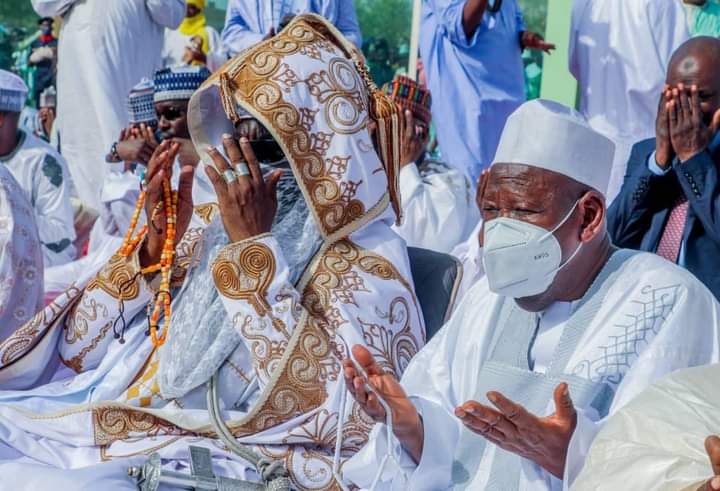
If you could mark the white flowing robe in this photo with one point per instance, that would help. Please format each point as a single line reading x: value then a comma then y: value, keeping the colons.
x: 21, y: 262
x: 655, y: 318
x: 439, y: 209
x: 106, y: 47
x: 656, y: 442
x: 43, y: 175
x: 619, y: 53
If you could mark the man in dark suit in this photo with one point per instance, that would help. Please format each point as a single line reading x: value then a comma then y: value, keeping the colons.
x: 670, y: 201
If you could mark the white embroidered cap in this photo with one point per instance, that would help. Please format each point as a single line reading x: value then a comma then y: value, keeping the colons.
x: 13, y: 92
x: 551, y: 136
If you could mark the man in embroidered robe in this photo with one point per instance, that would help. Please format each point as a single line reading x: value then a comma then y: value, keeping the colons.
x: 270, y: 311
x: 563, y: 330
x: 666, y: 439
x: 41, y: 173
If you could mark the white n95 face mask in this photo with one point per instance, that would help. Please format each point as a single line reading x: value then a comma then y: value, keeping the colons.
x: 521, y: 259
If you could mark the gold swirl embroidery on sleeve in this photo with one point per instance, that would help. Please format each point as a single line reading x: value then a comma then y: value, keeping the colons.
x: 114, y: 423
x: 119, y: 278
x: 76, y: 361
x: 244, y: 271
x: 206, y: 212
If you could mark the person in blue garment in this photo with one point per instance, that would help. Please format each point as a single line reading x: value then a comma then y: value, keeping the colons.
x: 472, y: 53
x: 247, y: 22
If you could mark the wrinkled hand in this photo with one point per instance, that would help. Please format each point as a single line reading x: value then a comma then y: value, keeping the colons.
x: 688, y: 133
x: 160, y: 167
x: 249, y: 203
x: 712, y: 445
x: 414, y: 141
x: 664, y: 153
x: 545, y: 441
x: 533, y: 40
x: 407, y: 425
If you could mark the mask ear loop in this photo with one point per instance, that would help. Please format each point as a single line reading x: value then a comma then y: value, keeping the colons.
x: 562, y: 222
x: 389, y: 454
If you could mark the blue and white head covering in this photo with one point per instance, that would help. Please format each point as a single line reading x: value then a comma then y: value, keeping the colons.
x: 13, y: 92
x: 179, y: 83
x: 141, y: 106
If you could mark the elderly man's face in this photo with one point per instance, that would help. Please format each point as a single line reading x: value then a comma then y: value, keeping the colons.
x: 544, y: 198
x: 172, y: 119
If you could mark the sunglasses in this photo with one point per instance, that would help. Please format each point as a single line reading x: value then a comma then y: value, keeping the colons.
x: 171, y: 113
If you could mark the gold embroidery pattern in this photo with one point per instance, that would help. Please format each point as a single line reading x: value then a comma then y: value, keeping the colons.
x: 119, y: 279
x: 206, y: 212
x: 392, y: 348
x: 77, y: 325
x: 185, y: 255
x: 25, y: 337
x: 258, y: 79
x: 266, y: 353
x: 76, y: 361
x: 116, y: 423
x: 244, y: 271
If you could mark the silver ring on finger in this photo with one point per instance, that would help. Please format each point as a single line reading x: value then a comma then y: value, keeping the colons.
x: 242, y: 169
x: 230, y: 176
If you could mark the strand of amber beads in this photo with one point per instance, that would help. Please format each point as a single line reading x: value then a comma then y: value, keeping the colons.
x: 163, y: 300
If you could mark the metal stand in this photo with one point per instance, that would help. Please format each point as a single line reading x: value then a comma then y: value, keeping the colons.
x: 202, y: 478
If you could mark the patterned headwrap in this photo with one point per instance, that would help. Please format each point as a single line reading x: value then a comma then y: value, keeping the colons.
x: 141, y: 106
x: 408, y: 94
x: 178, y: 83
x: 13, y: 92
x: 309, y: 87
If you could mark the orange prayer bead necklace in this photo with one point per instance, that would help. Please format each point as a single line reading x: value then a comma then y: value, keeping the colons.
x: 163, y: 299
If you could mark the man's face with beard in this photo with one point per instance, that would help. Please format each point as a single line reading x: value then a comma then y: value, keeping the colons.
x: 172, y: 119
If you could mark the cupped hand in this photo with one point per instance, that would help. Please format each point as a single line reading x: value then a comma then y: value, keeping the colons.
x: 407, y: 425
x: 511, y: 427
x: 247, y: 203
x: 414, y: 141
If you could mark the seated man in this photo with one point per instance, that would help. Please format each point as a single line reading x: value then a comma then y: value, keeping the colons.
x: 656, y: 441
x: 264, y: 295
x: 564, y: 330
x: 248, y: 23
x: 670, y: 201
x: 21, y: 263
x: 439, y: 208
x: 41, y: 173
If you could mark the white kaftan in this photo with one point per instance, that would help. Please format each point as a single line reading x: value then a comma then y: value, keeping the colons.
x: 639, y: 333
x: 43, y: 175
x: 21, y: 261
x: 656, y: 442
x: 469, y: 253
x: 439, y: 207
x: 106, y: 47
x: 619, y: 53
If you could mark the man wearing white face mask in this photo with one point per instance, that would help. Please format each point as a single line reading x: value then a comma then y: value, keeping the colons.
x: 564, y: 330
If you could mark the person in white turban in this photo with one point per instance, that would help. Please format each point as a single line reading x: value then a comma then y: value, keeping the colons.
x: 41, y: 172
x: 563, y: 330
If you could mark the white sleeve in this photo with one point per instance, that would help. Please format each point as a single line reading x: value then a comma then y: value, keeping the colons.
x: 668, y: 26
x: 167, y: 13
x: 435, y: 209
x: 673, y: 347
x: 52, y: 8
